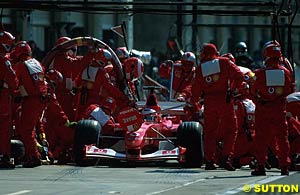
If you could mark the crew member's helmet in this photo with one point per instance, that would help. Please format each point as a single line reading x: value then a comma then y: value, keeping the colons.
x: 241, y: 49
x: 272, y: 51
x: 54, y: 76
x: 208, y: 52
x: 229, y: 56
x: 242, y: 90
x: 122, y: 53
x: 272, y: 42
x: 109, y: 104
x: 102, y: 57
x: 62, y: 40
x: 22, y: 48
x: 72, y: 52
x: 134, y: 68
x: 6, y: 40
x: 188, y: 61
x: 88, y: 113
x: 12, y: 55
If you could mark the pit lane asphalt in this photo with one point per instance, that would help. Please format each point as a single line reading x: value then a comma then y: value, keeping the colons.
x: 140, y: 180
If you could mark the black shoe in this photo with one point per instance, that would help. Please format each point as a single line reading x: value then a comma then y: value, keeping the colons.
x: 210, y: 166
x: 253, y: 164
x: 226, y: 164
x: 273, y: 161
x: 295, y: 158
x: 236, y: 163
x: 32, y: 162
x: 268, y: 166
x: 6, y: 163
x: 259, y: 171
x: 294, y: 167
x: 61, y: 160
x: 285, y: 171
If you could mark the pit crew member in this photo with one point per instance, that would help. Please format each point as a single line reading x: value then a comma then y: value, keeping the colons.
x: 8, y: 84
x: 34, y: 91
x: 213, y: 78
x: 272, y: 85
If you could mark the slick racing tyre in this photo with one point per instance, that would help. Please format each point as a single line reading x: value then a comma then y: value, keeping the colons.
x: 17, y: 150
x: 86, y: 132
x: 189, y: 136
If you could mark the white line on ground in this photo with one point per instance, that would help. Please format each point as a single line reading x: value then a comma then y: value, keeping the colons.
x: 175, y: 187
x: 19, y: 192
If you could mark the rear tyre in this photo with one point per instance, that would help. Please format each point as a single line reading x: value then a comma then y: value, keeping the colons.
x: 86, y: 132
x: 189, y: 136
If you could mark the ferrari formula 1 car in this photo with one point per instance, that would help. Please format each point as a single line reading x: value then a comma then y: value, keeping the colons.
x: 152, y: 140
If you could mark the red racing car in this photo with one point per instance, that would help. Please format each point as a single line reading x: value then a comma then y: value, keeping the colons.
x: 142, y: 136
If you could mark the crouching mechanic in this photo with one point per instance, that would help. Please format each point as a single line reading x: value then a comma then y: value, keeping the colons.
x: 103, y: 114
x: 56, y: 123
x: 293, y: 105
x: 293, y: 116
x: 244, y: 151
x: 294, y: 140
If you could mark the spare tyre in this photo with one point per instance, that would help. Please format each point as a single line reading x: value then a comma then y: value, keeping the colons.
x: 189, y: 136
x: 86, y: 132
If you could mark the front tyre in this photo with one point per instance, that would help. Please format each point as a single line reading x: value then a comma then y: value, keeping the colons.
x: 17, y: 150
x: 189, y: 136
x: 86, y: 132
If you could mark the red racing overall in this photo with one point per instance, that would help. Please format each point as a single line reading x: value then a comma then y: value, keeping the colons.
x: 270, y: 89
x: 33, y: 89
x: 8, y: 83
x: 212, y: 79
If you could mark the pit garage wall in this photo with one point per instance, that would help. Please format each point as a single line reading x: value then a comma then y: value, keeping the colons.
x: 226, y: 31
x: 34, y: 25
x: 45, y: 27
x: 148, y: 31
